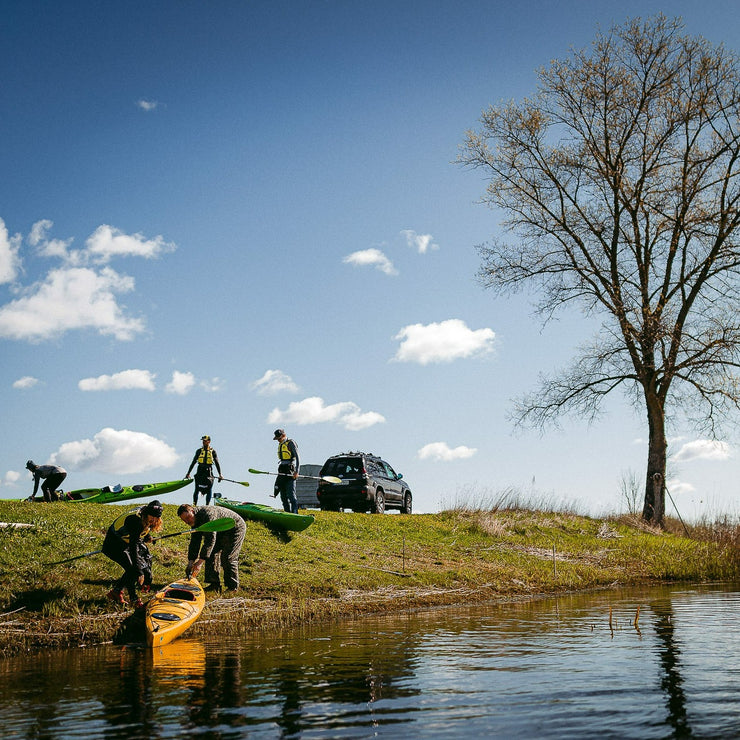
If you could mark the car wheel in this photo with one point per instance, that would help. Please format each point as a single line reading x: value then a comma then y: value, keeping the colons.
x: 379, y: 502
x: 406, y: 508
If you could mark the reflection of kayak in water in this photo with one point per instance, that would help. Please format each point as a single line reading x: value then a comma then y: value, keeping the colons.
x: 172, y: 610
x: 183, y: 661
x: 113, y: 494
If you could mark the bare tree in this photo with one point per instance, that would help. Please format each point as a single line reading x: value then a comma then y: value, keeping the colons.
x: 630, y: 489
x: 619, y: 181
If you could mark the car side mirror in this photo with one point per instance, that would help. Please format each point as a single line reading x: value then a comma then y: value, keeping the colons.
x: 399, y: 476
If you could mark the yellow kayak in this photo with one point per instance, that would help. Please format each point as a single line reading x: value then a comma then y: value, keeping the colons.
x: 172, y: 610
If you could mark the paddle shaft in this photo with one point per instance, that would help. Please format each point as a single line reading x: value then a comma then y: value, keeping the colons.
x: 216, y: 525
x: 239, y: 482
x: 327, y: 478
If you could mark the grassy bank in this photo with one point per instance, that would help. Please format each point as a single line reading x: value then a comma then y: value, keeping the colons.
x: 343, y: 565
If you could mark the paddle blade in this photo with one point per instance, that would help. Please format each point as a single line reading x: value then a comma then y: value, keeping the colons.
x: 258, y: 472
x: 238, y: 482
x: 331, y: 479
x: 217, y: 525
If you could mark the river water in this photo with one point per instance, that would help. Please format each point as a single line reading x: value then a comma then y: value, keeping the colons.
x: 577, y: 666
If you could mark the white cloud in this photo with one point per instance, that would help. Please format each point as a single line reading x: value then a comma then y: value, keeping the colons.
x: 106, y: 242
x: 11, y: 477
x: 9, y: 261
x: 677, y: 487
x: 443, y: 342
x: 181, y: 383
x: 356, y: 420
x: 70, y: 298
x: 422, y: 243
x: 117, y: 452
x: 147, y: 105
x: 274, y: 381
x: 125, y: 380
x: 371, y: 258
x: 27, y: 381
x: 314, y: 411
x: 47, y: 247
x: 38, y: 232
x: 442, y: 451
x: 213, y: 385
x: 703, y: 449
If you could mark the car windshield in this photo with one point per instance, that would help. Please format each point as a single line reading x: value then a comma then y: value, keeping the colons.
x: 343, y: 467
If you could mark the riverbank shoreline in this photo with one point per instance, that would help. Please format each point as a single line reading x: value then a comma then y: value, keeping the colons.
x: 343, y: 566
x: 229, y: 617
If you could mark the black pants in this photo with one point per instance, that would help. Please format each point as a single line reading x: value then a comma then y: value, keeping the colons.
x: 50, y: 485
x: 204, y: 486
x: 130, y: 578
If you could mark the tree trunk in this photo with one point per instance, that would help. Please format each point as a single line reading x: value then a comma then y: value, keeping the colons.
x: 654, y: 508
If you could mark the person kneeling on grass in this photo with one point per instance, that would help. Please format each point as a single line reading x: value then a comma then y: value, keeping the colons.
x: 205, y: 547
x: 53, y: 476
x: 127, y: 547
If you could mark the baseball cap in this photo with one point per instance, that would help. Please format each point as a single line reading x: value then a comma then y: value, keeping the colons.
x: 278, y: 433
x: 206, y: 436
x: 153, y: 508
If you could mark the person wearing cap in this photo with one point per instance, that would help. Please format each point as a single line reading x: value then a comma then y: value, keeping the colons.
x: 126, y: 545
x: 205, y: 457
x: 207, y: 548
x: 53, y: 476
x: 288, y: 467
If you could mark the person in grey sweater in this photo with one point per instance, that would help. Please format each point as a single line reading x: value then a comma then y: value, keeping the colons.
x: 52, y: 476
x: 206, y: 547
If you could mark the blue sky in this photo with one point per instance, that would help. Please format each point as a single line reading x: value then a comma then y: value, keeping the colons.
x: 226, y: 217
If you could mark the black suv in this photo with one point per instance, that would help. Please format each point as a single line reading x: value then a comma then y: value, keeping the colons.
x: 368, y: 484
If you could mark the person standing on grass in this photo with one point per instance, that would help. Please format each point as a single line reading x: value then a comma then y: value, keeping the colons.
x: 206, y: 547
x: 53, y: 476
x: 127, y: 546
x: 288, y: 468
x: 205, y: 457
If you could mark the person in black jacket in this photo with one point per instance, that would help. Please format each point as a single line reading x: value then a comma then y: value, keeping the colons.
x: 206, y: 458
x: 206, y: 547
x: 288, y: 466
x: 126, y: 546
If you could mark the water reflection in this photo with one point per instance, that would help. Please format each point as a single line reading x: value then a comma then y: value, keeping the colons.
x: 671, y: 681
x: 576, y: 666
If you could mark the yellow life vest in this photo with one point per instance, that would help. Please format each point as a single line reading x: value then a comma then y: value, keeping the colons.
x: 283, y: 452
x: 123, y: 533
x: 206, y: 456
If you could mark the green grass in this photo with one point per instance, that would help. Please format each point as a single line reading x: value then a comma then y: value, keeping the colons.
x: 342, y: 565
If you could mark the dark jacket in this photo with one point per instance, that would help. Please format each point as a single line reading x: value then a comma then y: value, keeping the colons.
x: 126, y: 540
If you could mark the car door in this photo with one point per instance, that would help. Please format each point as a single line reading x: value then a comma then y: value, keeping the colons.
x: 393, y: 487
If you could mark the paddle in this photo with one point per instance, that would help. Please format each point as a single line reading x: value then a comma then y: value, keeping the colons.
x: 327, y: 478
x: 240, y: 482
x: 217, y: 525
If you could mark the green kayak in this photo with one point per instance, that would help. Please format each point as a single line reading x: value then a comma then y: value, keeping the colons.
x: 114, y: 494
x: 268, y: 515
